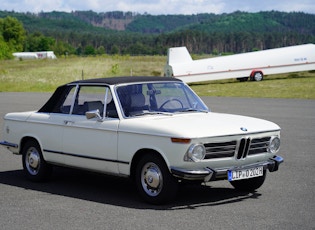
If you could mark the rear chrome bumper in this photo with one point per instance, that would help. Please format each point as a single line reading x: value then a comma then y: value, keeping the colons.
x: 208, y: 174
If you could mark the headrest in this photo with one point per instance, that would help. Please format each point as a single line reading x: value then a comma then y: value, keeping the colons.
x: 137, y: 100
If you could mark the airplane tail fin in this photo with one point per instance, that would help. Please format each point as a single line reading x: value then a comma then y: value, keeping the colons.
x: 178, y: 55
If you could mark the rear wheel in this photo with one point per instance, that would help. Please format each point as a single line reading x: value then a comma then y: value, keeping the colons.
x: 257, y: 76
x: 154, y: 182
x: 34, y: 165
x: 249, y: 185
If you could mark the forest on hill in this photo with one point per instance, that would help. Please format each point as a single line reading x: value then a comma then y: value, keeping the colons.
x: 91, y: 33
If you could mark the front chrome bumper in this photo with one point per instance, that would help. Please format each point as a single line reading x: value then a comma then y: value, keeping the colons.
x: 208, y: 174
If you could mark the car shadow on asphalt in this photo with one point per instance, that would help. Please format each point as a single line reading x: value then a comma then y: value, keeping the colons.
x: 120, y: 191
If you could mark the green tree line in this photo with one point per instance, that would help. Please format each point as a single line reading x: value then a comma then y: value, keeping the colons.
x: 14, y: 38
x: 88, y: 33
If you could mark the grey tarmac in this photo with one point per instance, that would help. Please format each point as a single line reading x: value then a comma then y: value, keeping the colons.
x: 74, y: 199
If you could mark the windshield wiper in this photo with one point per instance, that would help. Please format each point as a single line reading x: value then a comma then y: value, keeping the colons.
x: 193, y: 110
x: 151, y: 113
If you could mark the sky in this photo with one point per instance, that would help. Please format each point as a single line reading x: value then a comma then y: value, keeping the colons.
x: 159, y: 7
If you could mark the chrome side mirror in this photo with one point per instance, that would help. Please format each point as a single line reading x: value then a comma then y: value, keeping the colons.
x: 94, y: 113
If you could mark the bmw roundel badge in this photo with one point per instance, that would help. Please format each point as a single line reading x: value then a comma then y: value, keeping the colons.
x: 243, y: 129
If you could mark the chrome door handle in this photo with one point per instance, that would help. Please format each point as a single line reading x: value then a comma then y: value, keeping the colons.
x: 68, y: 122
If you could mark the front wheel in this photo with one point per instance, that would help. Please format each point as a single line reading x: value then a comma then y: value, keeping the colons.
x: 34, y: 165
x: 249, y: 185
x: 153, y: 180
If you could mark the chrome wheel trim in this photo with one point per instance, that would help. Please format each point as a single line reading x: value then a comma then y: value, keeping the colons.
x: 258, y: 76
x: 32, y: 161
x: 151, y: 179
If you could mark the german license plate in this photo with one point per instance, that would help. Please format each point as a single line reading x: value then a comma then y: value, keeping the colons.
x: 245, y: 173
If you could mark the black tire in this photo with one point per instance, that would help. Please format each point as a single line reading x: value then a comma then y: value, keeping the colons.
x: 34, y: 166
x: 249, y: 185
x: 153, y: 180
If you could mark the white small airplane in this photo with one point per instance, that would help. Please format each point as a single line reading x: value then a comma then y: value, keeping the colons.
x: 252, y: 65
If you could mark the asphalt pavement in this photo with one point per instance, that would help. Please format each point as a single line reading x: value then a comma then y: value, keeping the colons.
x: 75, y: 199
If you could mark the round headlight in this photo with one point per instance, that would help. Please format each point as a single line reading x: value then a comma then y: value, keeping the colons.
x: 274, y: 145
x: 196, y: 152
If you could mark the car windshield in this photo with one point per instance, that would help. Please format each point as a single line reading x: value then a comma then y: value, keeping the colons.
x: 158, y: 98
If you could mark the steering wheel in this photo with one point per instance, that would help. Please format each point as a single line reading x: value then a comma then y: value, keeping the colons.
x: 170, y: 100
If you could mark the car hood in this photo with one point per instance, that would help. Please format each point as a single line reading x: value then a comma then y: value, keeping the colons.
x: 196, y: 125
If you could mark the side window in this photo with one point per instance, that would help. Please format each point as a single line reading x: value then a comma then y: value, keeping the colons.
x: 91, y: 98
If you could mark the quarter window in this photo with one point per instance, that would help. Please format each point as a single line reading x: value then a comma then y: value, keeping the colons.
x: 66, y: 107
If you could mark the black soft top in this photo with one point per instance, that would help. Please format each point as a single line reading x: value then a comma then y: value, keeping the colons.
x: 121, y: 80
x: 53, y: 104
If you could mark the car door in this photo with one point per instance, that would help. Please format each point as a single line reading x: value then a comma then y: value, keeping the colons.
x: 48, y: 128
x: 91, y: 143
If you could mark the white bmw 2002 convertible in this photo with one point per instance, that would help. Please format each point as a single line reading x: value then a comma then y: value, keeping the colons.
x: 155, y: 130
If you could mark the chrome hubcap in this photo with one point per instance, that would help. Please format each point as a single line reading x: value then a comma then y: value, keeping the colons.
x: 32, y: 161
x: 151, y: 179
x: 258, y: 76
